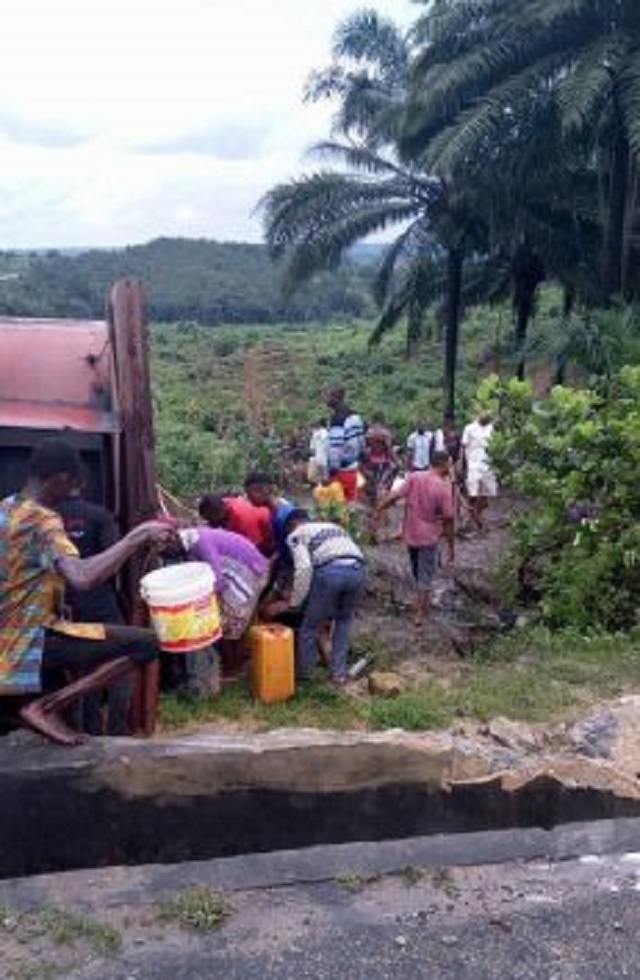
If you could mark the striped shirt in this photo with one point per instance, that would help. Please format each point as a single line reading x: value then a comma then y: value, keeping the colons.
x: 314, y: 545
x: 346, y: 442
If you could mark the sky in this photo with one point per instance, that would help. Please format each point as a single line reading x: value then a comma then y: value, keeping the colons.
x: 126, y: 120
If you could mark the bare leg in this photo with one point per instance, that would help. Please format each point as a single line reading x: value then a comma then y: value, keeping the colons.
x: 422, y: 606
x: 475, y: 511
x: 481, y: 505
x: 43, y: 714
x: 324, y: 643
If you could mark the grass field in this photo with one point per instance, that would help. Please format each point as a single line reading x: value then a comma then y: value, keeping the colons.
x: 231, y: 397
x: 532, y: 675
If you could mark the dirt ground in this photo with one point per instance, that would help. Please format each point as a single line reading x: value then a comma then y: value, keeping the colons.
x: 465, y: 606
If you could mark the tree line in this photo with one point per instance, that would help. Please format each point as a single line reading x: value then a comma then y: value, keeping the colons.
x: 500, y: 138
x: 185, y: 279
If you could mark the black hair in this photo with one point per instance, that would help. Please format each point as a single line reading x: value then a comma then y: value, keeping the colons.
x: 53, y: 457
x: 440, y: 458
x: 298, y: 514
x: 258, y: 479
x: 209, y: 502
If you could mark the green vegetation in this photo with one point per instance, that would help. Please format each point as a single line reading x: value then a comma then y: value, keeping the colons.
x: 500, y: 139
x: 528, y: 675
x: 196, y: 907
x: 240, y: 397
x: 576, y: 454
x: 62, y: 927
x: 204, y: 281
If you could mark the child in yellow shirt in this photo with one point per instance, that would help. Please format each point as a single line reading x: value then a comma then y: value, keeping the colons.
x: 329, y: 497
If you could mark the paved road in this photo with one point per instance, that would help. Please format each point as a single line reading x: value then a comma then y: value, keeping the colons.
x: 407, y: 909
x: 575, y: 920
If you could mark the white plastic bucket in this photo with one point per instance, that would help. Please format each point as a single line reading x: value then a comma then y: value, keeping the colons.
x: 183, y: 606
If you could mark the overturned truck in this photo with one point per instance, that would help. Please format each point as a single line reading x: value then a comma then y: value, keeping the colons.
x: 89, y: 382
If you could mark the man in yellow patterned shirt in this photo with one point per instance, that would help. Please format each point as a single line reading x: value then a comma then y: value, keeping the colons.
x: 36, y: 560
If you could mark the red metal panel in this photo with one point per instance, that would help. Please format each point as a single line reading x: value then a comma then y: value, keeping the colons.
x: 56, y: 361
x: 55, y: 417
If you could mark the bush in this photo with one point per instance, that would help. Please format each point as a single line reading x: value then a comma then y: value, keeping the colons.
x: 576, y: 456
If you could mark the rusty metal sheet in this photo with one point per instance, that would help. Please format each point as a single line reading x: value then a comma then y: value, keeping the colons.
x: 56, y: 362
x: 56, y: 417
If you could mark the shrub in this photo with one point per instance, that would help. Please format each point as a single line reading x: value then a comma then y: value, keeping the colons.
x: 576, y: 457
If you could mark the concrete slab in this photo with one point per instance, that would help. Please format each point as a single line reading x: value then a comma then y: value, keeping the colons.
x: 124, y: 801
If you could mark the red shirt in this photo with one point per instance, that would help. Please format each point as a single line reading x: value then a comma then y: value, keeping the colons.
x: 253, y: 523
x: 428, y: 503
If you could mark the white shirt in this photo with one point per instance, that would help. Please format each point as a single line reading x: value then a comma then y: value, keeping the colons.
x: 475, y: 439
x: 319, y: 446
x: 419, y: 444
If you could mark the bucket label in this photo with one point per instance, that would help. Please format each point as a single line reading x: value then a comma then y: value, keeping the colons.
x: 189, y: 626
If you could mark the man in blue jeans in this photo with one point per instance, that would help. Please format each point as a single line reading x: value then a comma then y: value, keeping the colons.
x: 329, y: 574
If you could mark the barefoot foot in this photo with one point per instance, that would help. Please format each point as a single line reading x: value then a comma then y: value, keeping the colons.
x: 50, y: 725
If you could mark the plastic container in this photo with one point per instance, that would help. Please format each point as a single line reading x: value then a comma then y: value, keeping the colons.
x: 183, y: 606
x: 272, y: 663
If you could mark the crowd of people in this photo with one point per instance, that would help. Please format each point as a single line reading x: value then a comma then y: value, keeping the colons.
x: 63, y: 641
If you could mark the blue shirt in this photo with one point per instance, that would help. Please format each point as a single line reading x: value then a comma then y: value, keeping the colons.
x: 278, y: 519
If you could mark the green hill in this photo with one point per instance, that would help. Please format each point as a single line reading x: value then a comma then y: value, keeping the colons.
x: 185, y: 279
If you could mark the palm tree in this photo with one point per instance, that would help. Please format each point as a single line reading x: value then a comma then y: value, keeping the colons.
x: 483, y: 62
x: 312, y: 222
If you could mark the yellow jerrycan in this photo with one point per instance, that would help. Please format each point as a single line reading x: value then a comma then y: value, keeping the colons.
x: 272, y: 662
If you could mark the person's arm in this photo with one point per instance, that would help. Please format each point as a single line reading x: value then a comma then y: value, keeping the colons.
x: 464, y: 442
x: 85, y: 573
x: 448, y: 533
x: 393, y: 496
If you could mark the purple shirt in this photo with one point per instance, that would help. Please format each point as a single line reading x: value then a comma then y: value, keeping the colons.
x: 214, y: 544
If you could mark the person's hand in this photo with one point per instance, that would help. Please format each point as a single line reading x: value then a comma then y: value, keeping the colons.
x: 157, y: 533
x: 275, y: 608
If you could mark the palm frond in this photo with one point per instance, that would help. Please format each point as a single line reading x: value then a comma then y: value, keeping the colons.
x: 630, y: 97
x: 416, y: 241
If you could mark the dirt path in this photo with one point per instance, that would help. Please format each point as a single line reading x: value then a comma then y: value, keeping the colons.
x: 459, y: 617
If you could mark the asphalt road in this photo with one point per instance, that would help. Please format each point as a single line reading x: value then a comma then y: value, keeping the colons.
x: 513, y: 905
x: 574, y: 920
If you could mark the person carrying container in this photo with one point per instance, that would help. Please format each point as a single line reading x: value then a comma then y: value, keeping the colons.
x: 241, y: 573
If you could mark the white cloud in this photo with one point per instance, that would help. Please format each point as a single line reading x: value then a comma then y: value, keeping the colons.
x: 122, y: 120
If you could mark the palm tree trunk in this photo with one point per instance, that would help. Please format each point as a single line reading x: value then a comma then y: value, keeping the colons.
x: 453, y: 309
x: 562, y: 358
x: 616, y: 219
x: 528, y: 273
x: 523, y: 314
